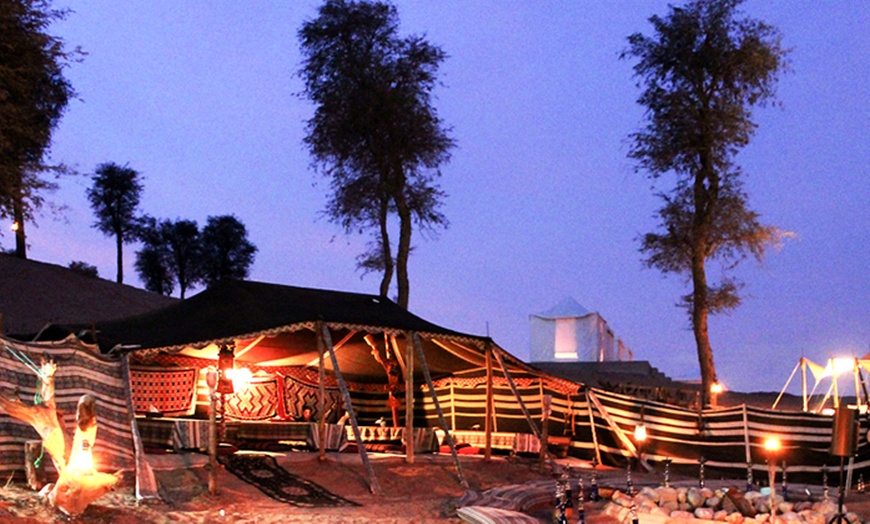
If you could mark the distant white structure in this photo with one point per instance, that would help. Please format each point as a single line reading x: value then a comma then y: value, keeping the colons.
x: 570, y: 332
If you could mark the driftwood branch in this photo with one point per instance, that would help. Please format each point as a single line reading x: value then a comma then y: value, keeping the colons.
x: 78, y: 482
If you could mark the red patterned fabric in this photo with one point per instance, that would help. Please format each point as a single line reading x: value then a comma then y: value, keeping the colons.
x: 298, y: 395
x: 168, y: 390
x: 258, y: 401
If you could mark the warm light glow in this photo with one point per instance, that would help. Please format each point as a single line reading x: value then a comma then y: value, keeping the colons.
x: 14, y: 226
x: 640, y: 433
x: 838, y: 366
x: 772, y: 445
x: 241, y: 377
x: 83, y: 460
x: 716, y: 388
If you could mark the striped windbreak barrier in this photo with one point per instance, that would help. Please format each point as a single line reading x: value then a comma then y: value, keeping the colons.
x: 80, y: 370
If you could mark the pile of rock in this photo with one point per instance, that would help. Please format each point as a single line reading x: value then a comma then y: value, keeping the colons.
x: 721, y: 505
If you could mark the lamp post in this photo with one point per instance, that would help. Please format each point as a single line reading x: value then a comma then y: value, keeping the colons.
x: 211, y: 378
x: 640, y: 436
x: 226, y: 364
x: 772, y: 447
x: 716, y: 389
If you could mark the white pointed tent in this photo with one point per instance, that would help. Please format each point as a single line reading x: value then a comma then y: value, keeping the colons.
x: 833, y: 370
x: 570, y: 332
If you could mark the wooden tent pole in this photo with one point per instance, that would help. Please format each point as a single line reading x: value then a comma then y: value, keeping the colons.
x: 321, y: 401
x: 146, y: 482
x: 629, y: 445
x: 447, y: 436
x: 327, y: 341
x: 746, y: 435
x: 592, y: 426
x: 804, y: 383
x: 487, y: 451
x: 452, y: 403
x: 787, y: 382
x: 523, y: 407
x: 516, y: 393
x: 409, y: 402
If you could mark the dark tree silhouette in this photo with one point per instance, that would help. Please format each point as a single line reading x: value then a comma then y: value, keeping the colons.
x: 227, y: 254
x: 83, y: 268
x: 702, y: 74
x: 114, y: 198
x: 152, y: 260
x: 33, y: 96
x: 170, y: 255
x: 374, y: 132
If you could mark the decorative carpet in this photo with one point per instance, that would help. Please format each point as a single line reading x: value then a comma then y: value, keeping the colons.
x: 264, y: 472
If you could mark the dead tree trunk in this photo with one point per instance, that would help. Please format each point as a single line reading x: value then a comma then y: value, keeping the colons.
x: 78, y: 482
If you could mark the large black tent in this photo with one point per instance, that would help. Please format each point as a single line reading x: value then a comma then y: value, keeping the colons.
x: 275, y: 325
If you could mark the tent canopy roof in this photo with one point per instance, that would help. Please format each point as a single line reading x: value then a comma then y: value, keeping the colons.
x: 244, y: 309
x: 567, y: 308
x: 274, y: 325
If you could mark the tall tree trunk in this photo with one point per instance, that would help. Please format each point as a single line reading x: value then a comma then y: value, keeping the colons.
x: 120, y: 243
x: 20, y: 237
x: 700, y: 311
x: 705, y: 200
x: 386, y: 251
x: 404, y: 249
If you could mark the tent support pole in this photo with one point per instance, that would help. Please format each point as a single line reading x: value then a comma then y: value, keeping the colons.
x: 327, y: 341
x: 452, y: 405
x: 592, y: 427
x: 321, y: 401
x: 146, y: 482
x: 516, y: 393
x: 629, y: 445
x: 522, y: 404
x: 409, y: 402
x: 746, y: 435
x: 787, y: 382
x: 447, y: 436
x: 487, y: 425
x: 804, y: 383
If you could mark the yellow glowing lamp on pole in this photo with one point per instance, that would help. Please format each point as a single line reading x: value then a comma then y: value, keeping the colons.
x: 772, y: 446
x: 716, y: 388
x: 15, y: 227
x: 640, y: 434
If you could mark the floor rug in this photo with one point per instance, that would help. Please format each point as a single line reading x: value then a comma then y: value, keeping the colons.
x: 264, y: 472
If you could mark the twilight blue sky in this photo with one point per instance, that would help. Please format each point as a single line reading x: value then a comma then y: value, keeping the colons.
x: 543, y: 203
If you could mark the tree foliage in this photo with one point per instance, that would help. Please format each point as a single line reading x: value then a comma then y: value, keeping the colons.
x: 34, y: 96
x: 114, y: 199
x: 702, y: 74
x: 83, y: 268
x: 227, y: 254
x: 178, y: 253
x: 170, y: 255
x: 375, y: 133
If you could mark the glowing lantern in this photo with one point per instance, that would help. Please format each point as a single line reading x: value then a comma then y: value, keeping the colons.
x: 83, y: 460
x: 240, y: 378
x: 640, y: 433
x: 772, y: 445
x: 226, y: 363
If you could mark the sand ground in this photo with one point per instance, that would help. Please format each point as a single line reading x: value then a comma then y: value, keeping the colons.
x: 419, y: 492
